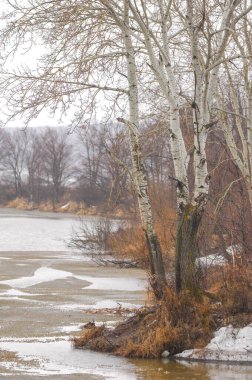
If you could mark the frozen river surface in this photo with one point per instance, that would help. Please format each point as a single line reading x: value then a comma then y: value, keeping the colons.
x: 33, y: 231
x: 47, y: 293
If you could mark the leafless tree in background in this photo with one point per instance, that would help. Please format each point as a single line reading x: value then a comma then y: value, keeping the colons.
x: 14, y: 148
x: 56, y: 161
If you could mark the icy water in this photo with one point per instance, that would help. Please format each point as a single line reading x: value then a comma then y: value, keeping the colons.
x: 44, y: 292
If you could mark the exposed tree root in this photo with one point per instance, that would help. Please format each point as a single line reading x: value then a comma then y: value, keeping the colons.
x: 173, y: 325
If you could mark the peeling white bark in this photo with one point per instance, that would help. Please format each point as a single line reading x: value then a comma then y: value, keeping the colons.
x: 140, y: 180
x: 166, y: 79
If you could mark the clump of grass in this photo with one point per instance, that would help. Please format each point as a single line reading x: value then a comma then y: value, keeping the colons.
x: 20, y: 203
x: 87, y: 336
x: 176, y: 323
x: 179, y: 322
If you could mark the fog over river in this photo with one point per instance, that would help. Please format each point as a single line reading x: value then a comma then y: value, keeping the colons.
x: 46, y: 292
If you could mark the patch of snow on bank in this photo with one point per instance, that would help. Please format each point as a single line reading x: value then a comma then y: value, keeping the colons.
x: 211, y: 260
x: 43, y: 274
x: 228, y: 344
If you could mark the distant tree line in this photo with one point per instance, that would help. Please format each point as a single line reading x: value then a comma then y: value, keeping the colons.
x: 90, y: 166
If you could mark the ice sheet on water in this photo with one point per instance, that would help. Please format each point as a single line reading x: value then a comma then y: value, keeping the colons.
x: 42, y: 274
x: 46, y: 274
x: 30, y: 234
x: 16, y: 292
x: 108, y: 283
x: 59, y: 358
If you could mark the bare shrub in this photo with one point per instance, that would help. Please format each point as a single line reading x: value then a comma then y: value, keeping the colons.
x: 96, y: 241
x: 93, y: 237
x: 128, y: 243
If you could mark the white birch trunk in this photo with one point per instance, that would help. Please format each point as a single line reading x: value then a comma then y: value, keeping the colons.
x: 249, y: 134
x: 166, y: 80
x: 156, y: 260
x: 200, y: 115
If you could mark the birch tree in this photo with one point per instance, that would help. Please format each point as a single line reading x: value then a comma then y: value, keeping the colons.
x: 101, y: 45
x: 157, y: 271
x: 204, y: 39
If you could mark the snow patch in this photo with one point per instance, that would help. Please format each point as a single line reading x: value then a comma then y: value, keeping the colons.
x: 228, y: 344
x: 211, y: 260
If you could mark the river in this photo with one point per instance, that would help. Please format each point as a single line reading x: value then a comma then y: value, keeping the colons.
x: 48, y: 292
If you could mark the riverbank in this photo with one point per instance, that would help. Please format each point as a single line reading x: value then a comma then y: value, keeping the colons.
x: 177, y: 328
x: 66, y: 207
x: 48, y: 294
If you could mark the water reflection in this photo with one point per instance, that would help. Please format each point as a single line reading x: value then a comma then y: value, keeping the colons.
x: 172, y: 370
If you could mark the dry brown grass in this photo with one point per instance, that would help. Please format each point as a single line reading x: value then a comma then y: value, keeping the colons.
x: 88, y: 335
x: 20, y: 203
x: 175, y: 324
x: 180, y: 322
x: 235, y: 290
x: 46, y: 206
x: 64, y: 206
x: 129, y: 242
